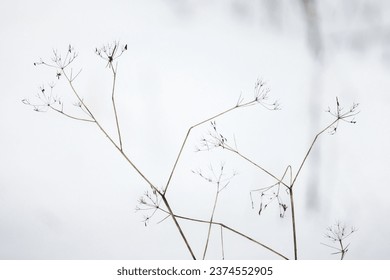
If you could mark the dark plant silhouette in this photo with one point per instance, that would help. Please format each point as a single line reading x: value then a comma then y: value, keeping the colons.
x: 337, y: 234
x: 155, y: 200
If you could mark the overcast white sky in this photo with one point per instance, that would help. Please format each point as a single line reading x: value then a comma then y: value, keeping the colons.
x: 66, y: 193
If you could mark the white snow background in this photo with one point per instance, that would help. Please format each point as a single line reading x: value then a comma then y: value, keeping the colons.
x: 66, y: 193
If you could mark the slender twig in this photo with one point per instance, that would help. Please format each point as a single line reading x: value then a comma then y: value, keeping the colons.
x: 111, y: 52
x: 339, y: 115
x: 217, y: 180
x: 215, y: 140
x: 106, y: 134
x: 222, y: 246
x: 114, y: 71
x: 337, y: 233
x: 257, y: 165
x: 72, y: 78
x: 291, y: 196
x: 238, y: 105
x: 69, y: 116
x: 309, y: 150
x: 177, y: 225
x: 211, y: 221
x: 294, y: 230
x: 234, y: 231
x: 132, y: 164
x: 342, y: 250
x: 274, y: 194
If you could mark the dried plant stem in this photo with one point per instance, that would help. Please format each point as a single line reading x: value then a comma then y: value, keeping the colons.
x: 338, y: 233
x: 177, y: 225
x: 234, y: 231
x: 294, y: 230
x: 222, y: 246
x: 310, y: 148
x: 114, y: 106
x: 153, y: 201
x: 291, y: 192
x: 292, y: 180
x: 255, y: 164
x: 69, y: 116
x: 133, y: 165
x: 249, y: 103
x: 211, y: 222
x: 342, y: 250
x: 70, y: 82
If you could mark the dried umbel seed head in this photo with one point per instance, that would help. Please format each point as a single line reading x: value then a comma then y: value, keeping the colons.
x: 111, y: 52
x: 337, y: 234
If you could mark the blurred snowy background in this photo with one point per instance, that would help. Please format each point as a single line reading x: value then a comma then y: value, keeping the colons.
x: 66, y: 193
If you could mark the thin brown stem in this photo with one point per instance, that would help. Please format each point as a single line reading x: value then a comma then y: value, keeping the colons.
x: 133, y: 165
x: 196, y: 125
x: 222, y: 246
x: 294, y: 230
x: 310, y: 148
x: 234, y: 231
x: 342, y: 250
x: 256, y: 165
x: 338, y: 233
x: 291, y: 192
x: 81, y: 101
x: 295, y: 178
x: 211, y: 222
x: 70, y: 116
x: 177, y: 225
x: 114, y: 106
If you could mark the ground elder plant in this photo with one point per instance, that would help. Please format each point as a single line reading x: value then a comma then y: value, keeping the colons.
x: 279, y: 194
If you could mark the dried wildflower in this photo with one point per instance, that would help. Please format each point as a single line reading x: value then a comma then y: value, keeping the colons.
x: 337, y: 234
